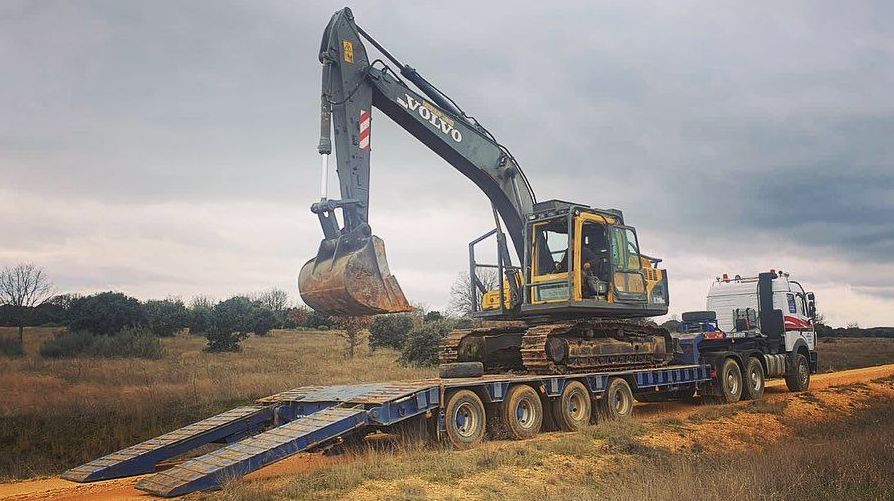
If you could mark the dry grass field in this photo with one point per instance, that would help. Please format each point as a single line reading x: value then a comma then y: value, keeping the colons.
x: 58, y: 413
x: 55, y: 414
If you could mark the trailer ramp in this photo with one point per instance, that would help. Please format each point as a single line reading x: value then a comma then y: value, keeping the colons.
x: 143, y: 457
x: 213, y: 469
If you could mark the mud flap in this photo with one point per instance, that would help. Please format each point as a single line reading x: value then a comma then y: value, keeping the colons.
x: 350, y: 276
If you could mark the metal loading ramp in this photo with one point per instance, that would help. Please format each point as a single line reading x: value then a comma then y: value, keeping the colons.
x: 143, y: 457
x: 212, y: 469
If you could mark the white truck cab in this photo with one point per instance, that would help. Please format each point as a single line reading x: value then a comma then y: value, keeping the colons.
x: 730, y: 298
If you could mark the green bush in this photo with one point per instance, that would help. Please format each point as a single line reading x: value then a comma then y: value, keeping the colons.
x: 106, y: 313
x: 263, y: 320
x: 421, y: 348
x: 390, y: 331
x: 129, y: 343
x: 10, y: 347
x: 166, y: 317
x: 231, y: 322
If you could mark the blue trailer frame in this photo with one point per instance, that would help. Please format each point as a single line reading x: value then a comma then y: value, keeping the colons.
x: 311, y: 417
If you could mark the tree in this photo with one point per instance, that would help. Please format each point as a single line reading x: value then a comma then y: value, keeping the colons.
x: 230, y: 324
x: 166, y: 317
x: 263, y: 320
x: 352, y: 330
x: 423, y: 343
x: 432, y: 316
x: 106, y: 313
x: 200, y: 314
x: 462, y: 300
x: 390, y: 331
x: 275, y: 300
x: 23, y: 287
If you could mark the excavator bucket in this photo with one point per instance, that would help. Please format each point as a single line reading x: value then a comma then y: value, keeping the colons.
x: 350, y: 276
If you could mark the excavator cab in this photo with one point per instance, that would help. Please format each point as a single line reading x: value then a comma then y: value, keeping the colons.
x: 582, y: 262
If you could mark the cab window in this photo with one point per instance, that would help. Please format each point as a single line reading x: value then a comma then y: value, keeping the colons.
x: 551, y: 240
x: 624, y: 250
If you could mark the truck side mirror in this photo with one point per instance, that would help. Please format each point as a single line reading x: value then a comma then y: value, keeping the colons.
x: 811, y: 309
x: 810, y: 296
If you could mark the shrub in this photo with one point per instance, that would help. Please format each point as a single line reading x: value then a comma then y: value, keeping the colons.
x: 433, y: 315
x: 231, y: 322
x: 421, y: 348
x: 166, y: 317
x: 11, y: 347
x: 263, y: 320
x: 106, y: 313
x: 129, y: 343
x: 390, y: 331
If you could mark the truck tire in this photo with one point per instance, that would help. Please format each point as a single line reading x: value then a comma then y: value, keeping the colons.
x: 799, y: 379
x: 465, y: 419
x: 728, y: 384
x: 617, y: 401
x: 521, y: 412
x: 461, y: 369
x: 699, y: 316
x: 572, y: 411
x: 754, y: 381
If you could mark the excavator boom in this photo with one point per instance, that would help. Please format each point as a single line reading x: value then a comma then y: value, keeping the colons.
x: 350, y: 274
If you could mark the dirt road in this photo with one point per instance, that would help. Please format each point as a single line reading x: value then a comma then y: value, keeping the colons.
x: 57, y: 488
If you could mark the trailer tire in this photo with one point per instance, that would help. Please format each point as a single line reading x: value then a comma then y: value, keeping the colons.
x: 461, y: 369
x: 572, y: 410
x: 729, y: 383
x: 799, y: 379
x: 465, y: 419
x: 754, y: 380
x: 699, y: 316
x: 617, y: 401
x: 521, y: 412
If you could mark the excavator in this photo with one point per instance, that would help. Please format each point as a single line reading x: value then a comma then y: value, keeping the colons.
x: 574, y: 298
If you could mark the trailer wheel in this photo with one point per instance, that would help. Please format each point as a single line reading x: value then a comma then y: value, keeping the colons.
x: 573, y: 409
x: 617, y: 401
x: 799, y: 380
x: 729, y: 382
x: 464, y: 418
x: 521, y: 413
x: 753, y: 387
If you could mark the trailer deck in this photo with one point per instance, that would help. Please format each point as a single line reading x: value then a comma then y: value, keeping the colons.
x: 310, y: 417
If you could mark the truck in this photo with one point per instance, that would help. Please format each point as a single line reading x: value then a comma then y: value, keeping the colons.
x: 722, y: 356
x: 761, y: 326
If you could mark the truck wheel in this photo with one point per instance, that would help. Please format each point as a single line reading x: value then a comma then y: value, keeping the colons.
x: 617, y: 401
x: 464, y: 418
x: 753, y: 387
x: 799, y: 379
x: 729, y: 383
x: 461, y: 369
x: 521, y: 413
x: 572, y: 410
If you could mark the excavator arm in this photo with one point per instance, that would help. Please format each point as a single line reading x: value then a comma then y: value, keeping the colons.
x: 349, y: 275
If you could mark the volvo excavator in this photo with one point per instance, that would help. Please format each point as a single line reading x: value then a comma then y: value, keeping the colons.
x: 573, y: 299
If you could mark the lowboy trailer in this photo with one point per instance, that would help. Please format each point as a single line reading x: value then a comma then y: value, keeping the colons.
x: 460, y: 411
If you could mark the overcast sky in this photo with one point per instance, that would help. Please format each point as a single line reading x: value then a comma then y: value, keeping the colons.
x: 169, y: 147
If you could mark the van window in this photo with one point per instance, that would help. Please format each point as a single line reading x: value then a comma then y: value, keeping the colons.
x: 791, y: 303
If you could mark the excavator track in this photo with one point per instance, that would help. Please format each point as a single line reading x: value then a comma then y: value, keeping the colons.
x: 561, y: 348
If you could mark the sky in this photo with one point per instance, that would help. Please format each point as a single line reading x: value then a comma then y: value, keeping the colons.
x: 168, y: 148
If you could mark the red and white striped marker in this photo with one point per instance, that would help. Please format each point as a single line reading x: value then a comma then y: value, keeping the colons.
x: 364, y: 129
